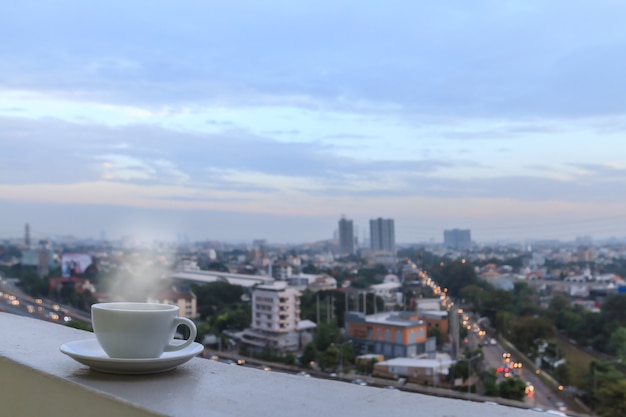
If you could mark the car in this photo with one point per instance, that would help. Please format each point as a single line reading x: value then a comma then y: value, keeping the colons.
x: 359, y: 382
x: 215, y: 358
x: 561, y: 406
x: 241, y: 361
x: 304, y: 374
x: 266, y: 368
x: 493, y: 341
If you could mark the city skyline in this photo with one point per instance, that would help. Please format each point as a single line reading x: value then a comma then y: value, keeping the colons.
x: 237, y: 122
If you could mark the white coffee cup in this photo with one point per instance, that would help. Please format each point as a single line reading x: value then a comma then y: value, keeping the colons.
x: 138, y: 330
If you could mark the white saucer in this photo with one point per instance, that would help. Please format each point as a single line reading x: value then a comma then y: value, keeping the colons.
x: 89, y: 352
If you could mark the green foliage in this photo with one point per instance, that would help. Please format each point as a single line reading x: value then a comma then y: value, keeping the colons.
x: 458, y: 370
x: 490, y: 384
x: 329, y: 358
x: 369, y: 276
x: 234, y: 317
x: 513, y: 389
x: 617, y: 343
x: 214, y: 297
x: 456, y: 275
x: 325, y: 335
x: 309, y: 269
x: 436, y: 332
x: 366, y: 367
x: 308, y: 355
x: 494, y: 302
x: 525, y: 330
x: 612, y: 399
x: 472, y: 295
x: 289, y: 358
x: 563, y: 374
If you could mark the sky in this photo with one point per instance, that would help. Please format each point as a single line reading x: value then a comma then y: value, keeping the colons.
x: 271, y: 119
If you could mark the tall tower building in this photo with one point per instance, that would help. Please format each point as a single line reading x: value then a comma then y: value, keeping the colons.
x: 346, y: 236
x: 382, y: 235
x: 457, y: 238
x: 27, y: 235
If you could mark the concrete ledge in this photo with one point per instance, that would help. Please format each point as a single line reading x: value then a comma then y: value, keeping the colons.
x: 37, y: 379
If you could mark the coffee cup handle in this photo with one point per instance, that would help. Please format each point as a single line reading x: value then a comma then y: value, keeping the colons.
x: 192, y: 334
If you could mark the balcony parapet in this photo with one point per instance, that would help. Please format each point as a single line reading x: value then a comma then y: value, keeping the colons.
x: 37, y: 379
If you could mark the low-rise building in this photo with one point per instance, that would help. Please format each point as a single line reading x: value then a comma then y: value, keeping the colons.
x: 393, y: 334
x: 425, y: 370
x: 184, y: 299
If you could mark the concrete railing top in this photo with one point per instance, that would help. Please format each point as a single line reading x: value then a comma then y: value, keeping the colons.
x: 37, y: 379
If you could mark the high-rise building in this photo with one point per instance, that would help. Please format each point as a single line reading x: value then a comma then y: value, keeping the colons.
x: 27, y: 235
x: 382, y: 235
x: 457, y: 238
x: 346, y: 236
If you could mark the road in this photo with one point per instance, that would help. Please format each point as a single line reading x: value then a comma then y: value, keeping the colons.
x: 13, y: 300
x: 543, y: 396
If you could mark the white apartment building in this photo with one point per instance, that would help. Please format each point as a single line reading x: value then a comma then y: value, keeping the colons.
x: 275, y: 318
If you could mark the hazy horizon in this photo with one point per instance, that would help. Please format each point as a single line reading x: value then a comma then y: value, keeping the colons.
x: 272, y: 120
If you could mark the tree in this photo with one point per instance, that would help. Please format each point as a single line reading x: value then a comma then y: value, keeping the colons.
x: 459, y: 370
x: 612, y: 398
x: 563, y: 374
x: 472, y: 294
x: 310, y: 269
x: 525, y: 330
x: 329, y: 358
x: 491, y: 388
x: 456, y: 275
x: 617, y: 343
x: 493, y: 302
x: 308, y: 355
x: 325, y: 335
x: 436, y: 332
x: 513, y: 389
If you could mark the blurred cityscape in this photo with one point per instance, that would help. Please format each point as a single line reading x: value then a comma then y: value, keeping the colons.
x: 538, y: 323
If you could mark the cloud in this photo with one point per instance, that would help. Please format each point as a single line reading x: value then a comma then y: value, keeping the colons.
x: 310, y: 107
x: 484, y: 59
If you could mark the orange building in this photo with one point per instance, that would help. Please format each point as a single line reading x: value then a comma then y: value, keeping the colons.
x: 392, y: 334
x: 437, y: 319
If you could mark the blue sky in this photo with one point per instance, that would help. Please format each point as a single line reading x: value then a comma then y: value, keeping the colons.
x: 240, y: 120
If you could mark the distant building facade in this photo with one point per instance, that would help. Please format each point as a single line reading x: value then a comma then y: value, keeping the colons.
x: 382, y: 235
x: 275, y: 319
x: 346, y: 236
x: 430, y: 371
x: 393, y: 334
x: 185, y: 300
x: 457, y: 239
